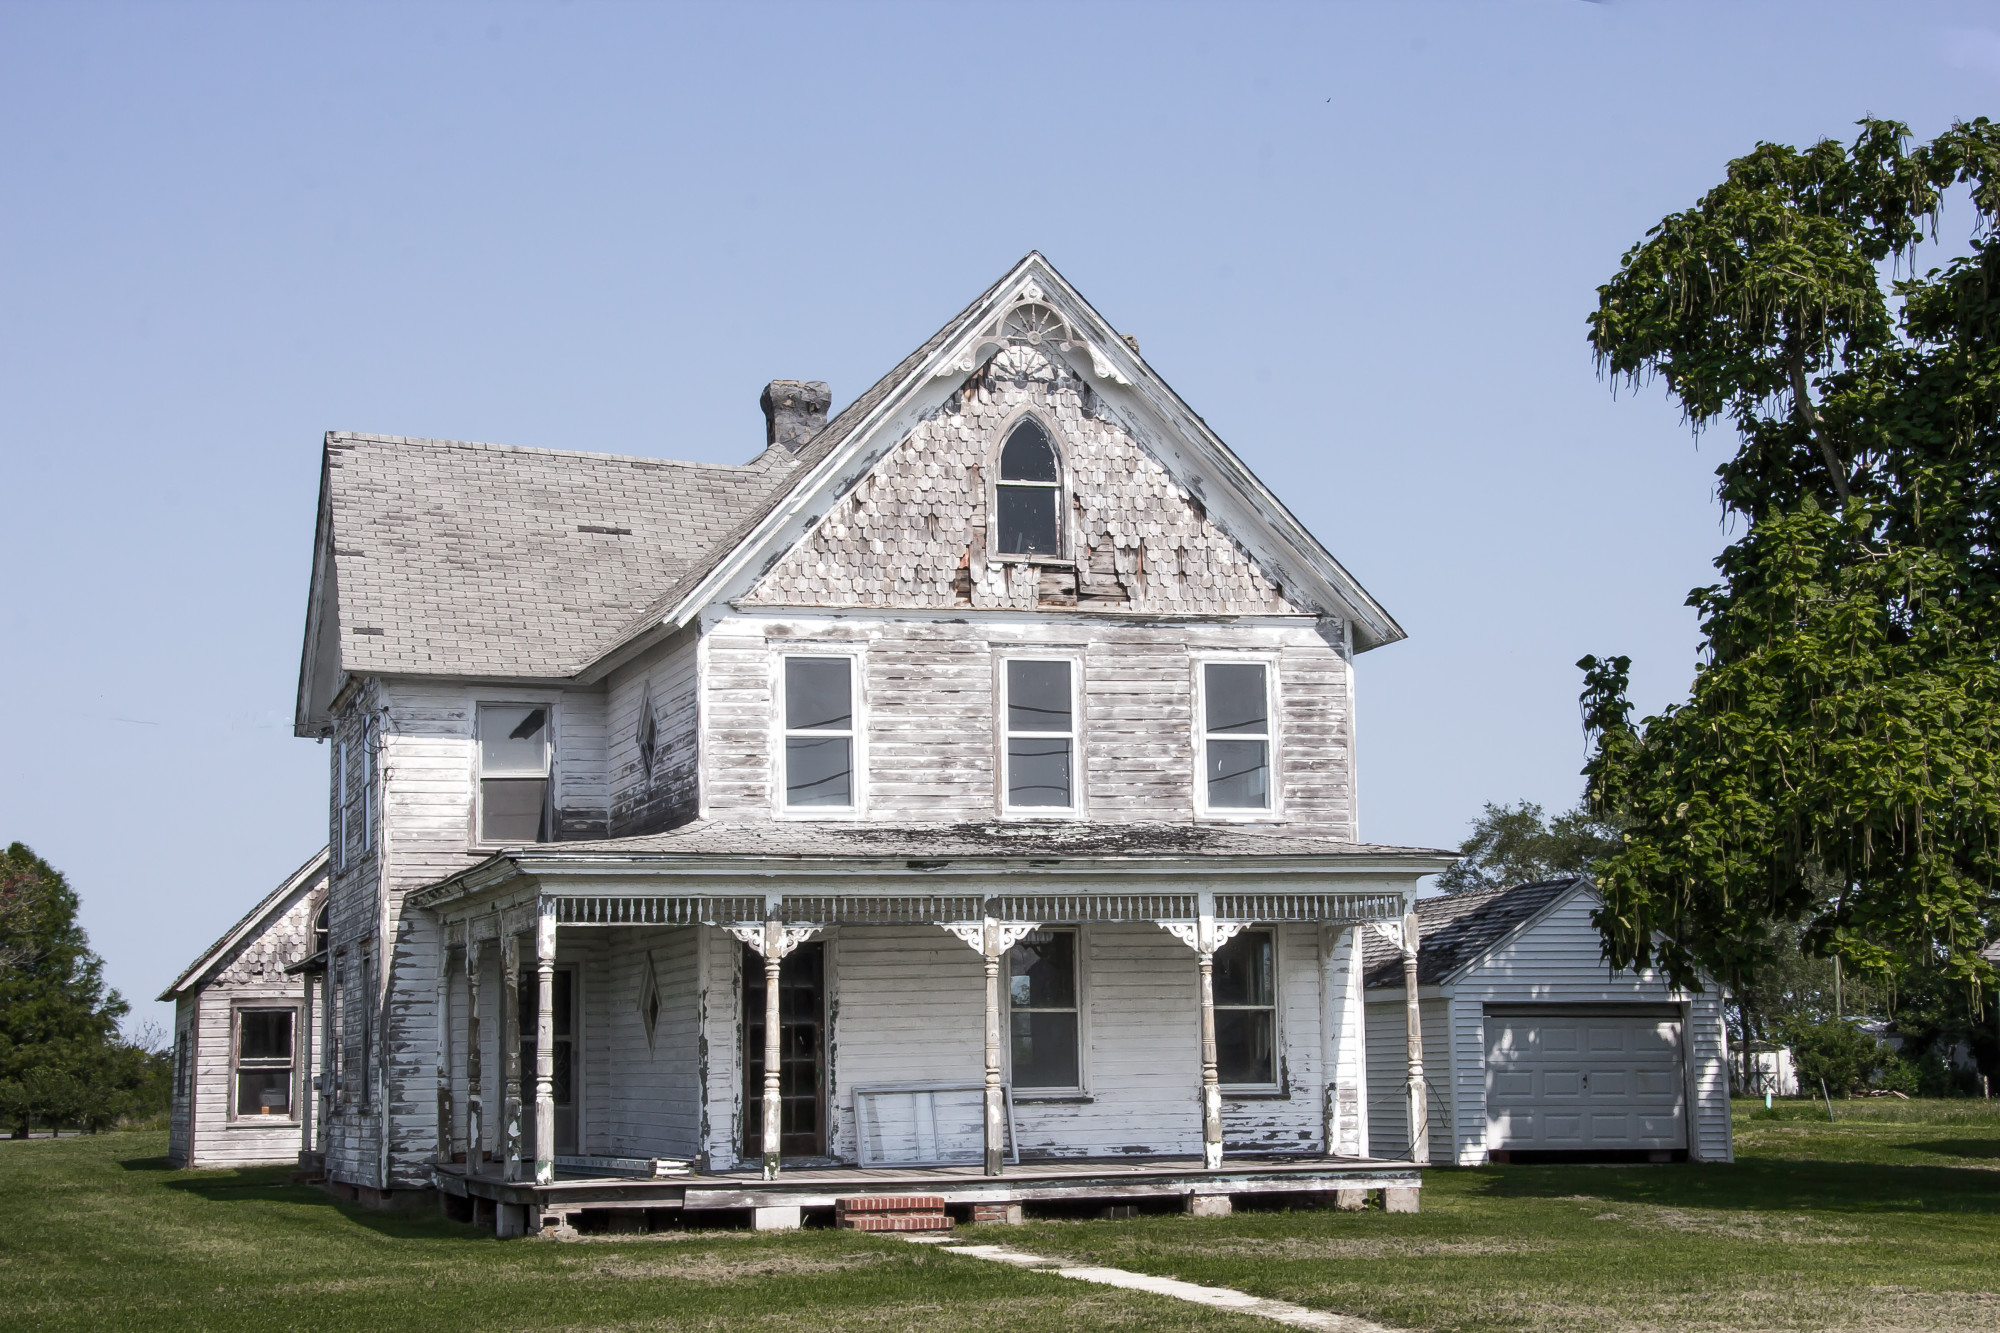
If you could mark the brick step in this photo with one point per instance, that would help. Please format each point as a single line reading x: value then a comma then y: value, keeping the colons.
x: 894, y: 1222
x: 890, y: 1203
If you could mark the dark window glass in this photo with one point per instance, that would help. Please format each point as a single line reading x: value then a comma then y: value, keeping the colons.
x: 1028, y: 520
x: 1030, y: 493
x: 1237, y: 708
x: 1038, y: 696
x: 264, y: 1092
x: 1237, y: 703
x: 267, y: 1035
x: 510, y: 809
x: 1246, y: 1019
x: 1042, y: 996
x: 1040, y: 740
x: 817, y: 696
x: 819, y: 701
x: 1028, y: 455
x: 819, y: 771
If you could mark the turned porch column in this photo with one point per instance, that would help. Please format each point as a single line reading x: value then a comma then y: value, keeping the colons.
x: 1418, y: 1098
x: 1205, y: 935
x: 994, y: 940
x: 510, y: 1052
x: 772, y: 941
x: 475, y: 1074
x: 545, y: 1043
x: 443, y: 1003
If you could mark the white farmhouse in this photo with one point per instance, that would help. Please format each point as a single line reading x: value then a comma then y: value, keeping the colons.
x: 956, y: 796
x: 1533, y: 1049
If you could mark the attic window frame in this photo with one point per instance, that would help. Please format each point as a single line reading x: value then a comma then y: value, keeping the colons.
x: 1058, y: 447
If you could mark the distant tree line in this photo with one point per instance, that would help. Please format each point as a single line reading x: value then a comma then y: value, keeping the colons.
x: 63, y: 1062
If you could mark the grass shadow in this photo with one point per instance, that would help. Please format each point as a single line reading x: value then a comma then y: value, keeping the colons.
x: 1986, y: 1149
x: 146, y: 1164
x: 1763, y: 1186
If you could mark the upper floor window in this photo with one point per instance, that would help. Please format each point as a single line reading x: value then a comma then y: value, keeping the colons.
x: 819, y: 732
x: 1236, y: 735
x: 319, y: 930
x: 1041, y: 735
x: 367, y: 784
x: 513, y: 773
x: 1030, y: 492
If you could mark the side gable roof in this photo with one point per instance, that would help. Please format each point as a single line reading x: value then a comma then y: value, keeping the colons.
x: 303, y: 880
x: 1455, y: 931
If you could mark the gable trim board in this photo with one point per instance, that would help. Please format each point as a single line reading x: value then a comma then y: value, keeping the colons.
x: 713, y: 531
x: 1536, y: 954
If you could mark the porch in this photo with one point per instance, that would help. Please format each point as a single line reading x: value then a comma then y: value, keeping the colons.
x: 721, y: 1197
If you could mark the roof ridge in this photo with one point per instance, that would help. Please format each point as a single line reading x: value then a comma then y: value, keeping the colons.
x: 756, y: 465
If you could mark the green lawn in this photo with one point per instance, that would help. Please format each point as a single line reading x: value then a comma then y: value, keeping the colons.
x: 1887, y: 1219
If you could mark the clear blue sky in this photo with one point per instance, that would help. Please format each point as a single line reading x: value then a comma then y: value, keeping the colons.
x: 1361, y: 240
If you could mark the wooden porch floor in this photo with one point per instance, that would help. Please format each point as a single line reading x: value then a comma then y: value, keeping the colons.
x: 1069, y: 1179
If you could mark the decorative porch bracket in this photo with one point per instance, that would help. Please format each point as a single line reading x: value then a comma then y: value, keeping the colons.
x: 1205, y: 934
x: 772, y: 941
x: 1416, y: 1096
x: 993, y: 939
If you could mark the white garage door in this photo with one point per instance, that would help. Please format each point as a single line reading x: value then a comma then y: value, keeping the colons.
x: 1573, y: 1079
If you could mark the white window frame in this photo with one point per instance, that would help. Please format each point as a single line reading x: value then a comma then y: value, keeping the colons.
x: 367, y: 786
x: 295, y: 1068
x: 1060, y: 443
x: 1027, y: 1096
x: 1276, y: 1086
x: 478, y: 764
x: 857, y: 687
x: 340, y: 803
x: 1273, y: 737
x: 1079, y: 774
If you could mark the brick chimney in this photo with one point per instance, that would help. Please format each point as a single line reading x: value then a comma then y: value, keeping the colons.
x: 794, y: 411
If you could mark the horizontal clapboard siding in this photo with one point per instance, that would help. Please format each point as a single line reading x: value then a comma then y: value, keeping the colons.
x: 1388, y: 1078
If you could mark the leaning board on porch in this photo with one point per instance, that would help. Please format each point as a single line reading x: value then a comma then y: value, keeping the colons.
x: 926, y: 1124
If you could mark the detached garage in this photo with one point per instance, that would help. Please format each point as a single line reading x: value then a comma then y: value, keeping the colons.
x: 1533, y: 1048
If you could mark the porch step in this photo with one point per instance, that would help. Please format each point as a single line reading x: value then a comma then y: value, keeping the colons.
x: 892, y: 1212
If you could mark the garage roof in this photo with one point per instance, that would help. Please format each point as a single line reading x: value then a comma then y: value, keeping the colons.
x: 1456, y: 930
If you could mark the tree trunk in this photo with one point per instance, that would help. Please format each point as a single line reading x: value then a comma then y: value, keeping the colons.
x: 1802, y: 398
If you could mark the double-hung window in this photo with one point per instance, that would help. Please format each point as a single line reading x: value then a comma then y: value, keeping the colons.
x: 1236, y: 735
x: 367, y: 786
x: 1040, y: 756
x: 819, y: 733
x: 513, y: 773
x: 1246, y: 1010
x: 263, y: 1062
x: 340, y: 803
x: 1043, y: 1012
x: 1029, y: 494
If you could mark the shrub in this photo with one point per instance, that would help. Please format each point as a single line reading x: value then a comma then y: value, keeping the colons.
x: 1834, y: 1052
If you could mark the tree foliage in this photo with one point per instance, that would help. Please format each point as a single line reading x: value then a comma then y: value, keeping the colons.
x: 1517, y: 844
x: 61, y: 1059
x: 1843, y: 727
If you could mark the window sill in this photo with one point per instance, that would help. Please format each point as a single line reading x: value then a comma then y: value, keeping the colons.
x: 1239, y: 816
x: 1255, y: 1095
x: 261, y: 1122
x: 1054, y: 1099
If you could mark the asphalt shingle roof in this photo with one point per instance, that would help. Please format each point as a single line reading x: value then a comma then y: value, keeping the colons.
x: 1454, y: 929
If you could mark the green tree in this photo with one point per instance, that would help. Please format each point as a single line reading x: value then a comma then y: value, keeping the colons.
x: 1516, y: 844
x: 1843, y: 726
x: 1831, y: 1051
x: 57, y: 1020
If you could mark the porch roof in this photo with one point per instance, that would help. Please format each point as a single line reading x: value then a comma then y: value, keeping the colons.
x: 770, y: 852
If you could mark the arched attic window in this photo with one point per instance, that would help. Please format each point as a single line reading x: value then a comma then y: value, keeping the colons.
x: 319, y: 930
x: 1030, y: 492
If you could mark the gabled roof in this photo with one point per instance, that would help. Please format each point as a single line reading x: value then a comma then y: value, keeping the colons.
x: 440, y: 557
x: 253, y: 924
x: 1457, y: 930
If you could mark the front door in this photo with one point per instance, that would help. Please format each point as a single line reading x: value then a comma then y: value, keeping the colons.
x: 563, y: 1011
x: 802, y: 1044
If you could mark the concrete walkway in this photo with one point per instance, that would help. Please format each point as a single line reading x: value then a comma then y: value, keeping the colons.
x: 1220, y: 1298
